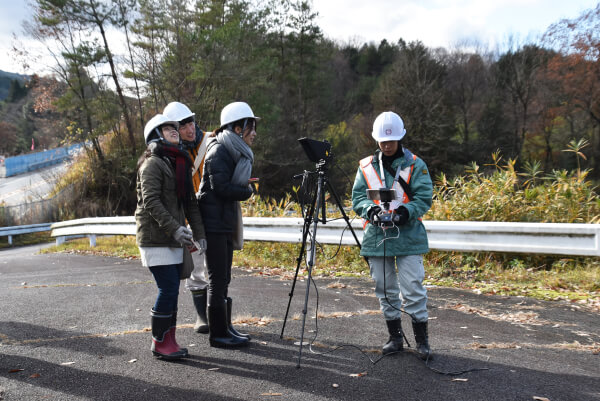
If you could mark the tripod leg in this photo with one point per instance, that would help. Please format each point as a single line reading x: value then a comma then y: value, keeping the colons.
x: 308, y: 219
x: 310, y: 262
x: 299, y: 261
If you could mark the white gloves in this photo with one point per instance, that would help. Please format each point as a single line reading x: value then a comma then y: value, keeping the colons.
x: 184, y: 236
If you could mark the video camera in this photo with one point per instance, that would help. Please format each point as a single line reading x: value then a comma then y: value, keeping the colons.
x: 384, y: 196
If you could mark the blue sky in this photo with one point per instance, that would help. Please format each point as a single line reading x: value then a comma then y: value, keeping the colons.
x: 436, y: 23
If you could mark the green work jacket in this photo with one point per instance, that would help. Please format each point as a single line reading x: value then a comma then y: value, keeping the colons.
x: 412, y: 237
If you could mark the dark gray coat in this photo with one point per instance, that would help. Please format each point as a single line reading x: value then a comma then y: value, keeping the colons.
x: 159, y: 214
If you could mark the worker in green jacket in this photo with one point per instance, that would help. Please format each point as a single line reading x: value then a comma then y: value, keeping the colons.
x: 394, y: 238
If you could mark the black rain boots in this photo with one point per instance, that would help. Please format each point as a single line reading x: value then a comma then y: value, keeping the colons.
x: 163, y: 337
x: 199, y: 298
x: 219, y: 335
x: 229, y: 325
x: 422, y: 339
x: 396, y: 340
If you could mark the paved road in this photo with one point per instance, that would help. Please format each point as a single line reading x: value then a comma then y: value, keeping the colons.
x: 75, y: 327
x: 31, y: 186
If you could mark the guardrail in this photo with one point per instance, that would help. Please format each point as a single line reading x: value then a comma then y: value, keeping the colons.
x: 465, y: 236
x: 26, y: 229
x: 93, y: 226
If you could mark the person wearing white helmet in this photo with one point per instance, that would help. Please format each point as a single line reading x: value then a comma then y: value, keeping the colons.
x: 394, y: 236
x: 165, y: 199
x: 226, y: 182
x: 194, y: 141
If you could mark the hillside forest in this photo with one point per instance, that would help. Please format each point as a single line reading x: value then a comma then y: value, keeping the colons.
x: 118, y: 62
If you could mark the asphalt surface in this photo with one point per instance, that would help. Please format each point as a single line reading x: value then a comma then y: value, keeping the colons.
x: 30, y: 186
x: 76, y: 327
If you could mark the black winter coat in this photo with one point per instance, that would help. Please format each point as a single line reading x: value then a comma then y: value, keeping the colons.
x: 218, y: 196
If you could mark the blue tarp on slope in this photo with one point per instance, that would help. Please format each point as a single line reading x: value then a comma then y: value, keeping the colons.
x: 33, y: 161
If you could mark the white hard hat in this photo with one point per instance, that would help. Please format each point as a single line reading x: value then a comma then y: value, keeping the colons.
x: 154, y: 123
x: 177, y: 111
x: 388, y: 126
x: 236, y: 111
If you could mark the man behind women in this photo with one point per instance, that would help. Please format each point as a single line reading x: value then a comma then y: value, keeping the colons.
x: 165, y: 199
x: 225, y: 182
x: 399, y: 242
x: 194, y: 141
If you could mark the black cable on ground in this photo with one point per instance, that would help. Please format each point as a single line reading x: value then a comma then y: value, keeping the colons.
x: 365, y: 354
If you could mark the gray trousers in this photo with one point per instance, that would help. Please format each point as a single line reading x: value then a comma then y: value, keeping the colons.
x: 402, y: 283
x: 198, y: 279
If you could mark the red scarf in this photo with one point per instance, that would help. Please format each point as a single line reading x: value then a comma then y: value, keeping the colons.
x: 182, y: 163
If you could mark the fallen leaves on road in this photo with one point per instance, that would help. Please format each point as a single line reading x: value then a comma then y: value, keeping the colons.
x: 253, y: 321
x: 336, y: 285
x: 477, y: 345
x: 575, y: 346
x: 529, y: 318
x: 335, y: 315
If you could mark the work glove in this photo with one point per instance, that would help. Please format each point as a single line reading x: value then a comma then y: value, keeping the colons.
x: 184, y: 236
x: 373, y: 213
x: 402, y: 216
x: 201, y: 245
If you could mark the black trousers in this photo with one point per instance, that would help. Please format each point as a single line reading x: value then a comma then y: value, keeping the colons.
x: 219, y: 257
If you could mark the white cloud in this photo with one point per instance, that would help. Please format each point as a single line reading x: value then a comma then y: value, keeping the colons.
x: 439, y: 22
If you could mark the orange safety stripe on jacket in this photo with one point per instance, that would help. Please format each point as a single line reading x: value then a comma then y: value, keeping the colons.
x: 374, y: 182
x: 194, y: 153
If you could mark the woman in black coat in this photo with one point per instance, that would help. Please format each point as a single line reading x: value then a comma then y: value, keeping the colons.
x: 225, y: 182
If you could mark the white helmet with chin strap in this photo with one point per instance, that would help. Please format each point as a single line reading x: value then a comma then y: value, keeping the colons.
x: 152, y: 129
x: 236, y: 111
x: 388, y: 126
x: 177, y: 111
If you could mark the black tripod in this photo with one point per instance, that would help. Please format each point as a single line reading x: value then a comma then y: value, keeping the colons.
x: 312, y: 218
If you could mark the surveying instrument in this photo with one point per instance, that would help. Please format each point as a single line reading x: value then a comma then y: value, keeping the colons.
x: 319, y: 153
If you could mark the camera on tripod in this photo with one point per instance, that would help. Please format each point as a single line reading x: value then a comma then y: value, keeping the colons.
x: 384, y: 196
x: 317, y: 151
